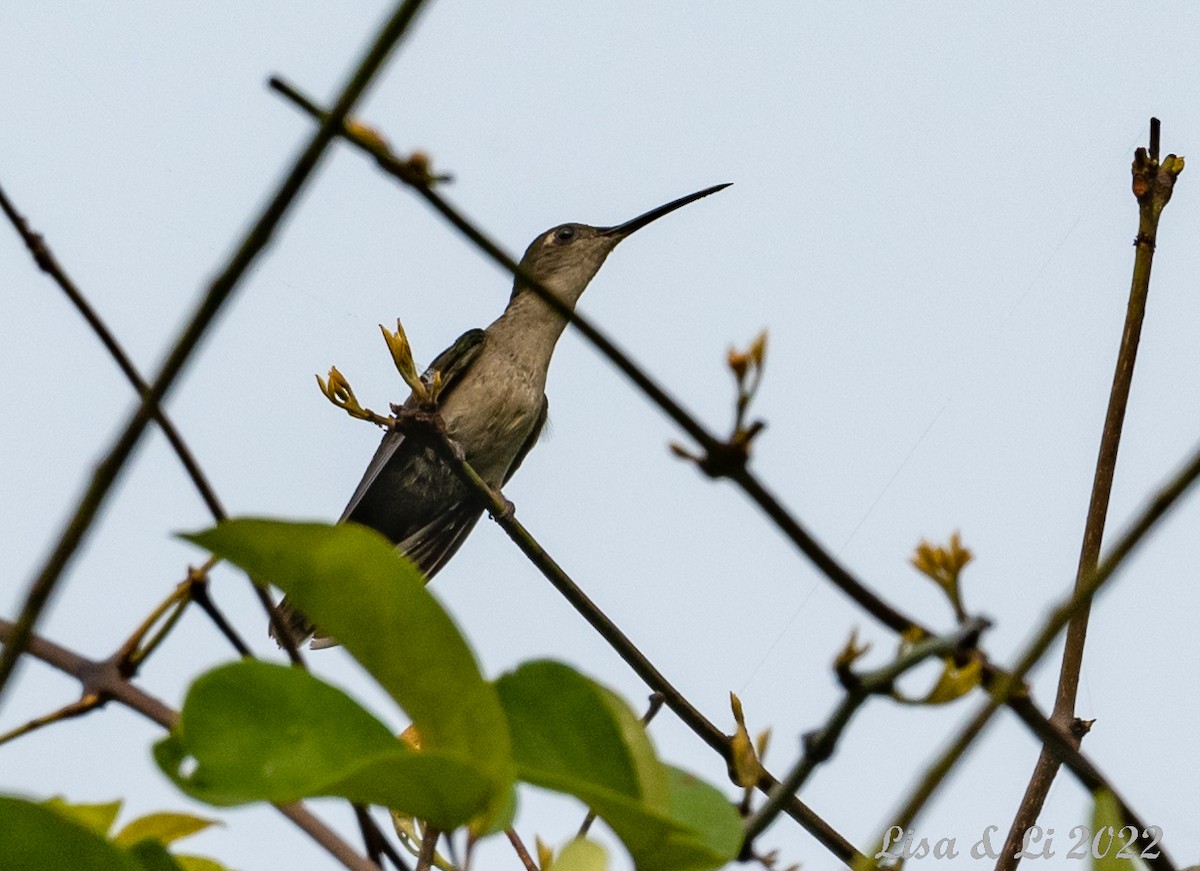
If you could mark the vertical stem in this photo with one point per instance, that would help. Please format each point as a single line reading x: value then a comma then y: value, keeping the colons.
x: 1152, y: 185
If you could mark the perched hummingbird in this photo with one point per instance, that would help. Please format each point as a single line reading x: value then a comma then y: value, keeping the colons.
x: 493, y: 403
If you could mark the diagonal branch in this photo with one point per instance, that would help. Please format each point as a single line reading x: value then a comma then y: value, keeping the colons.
x: 102, y: 679
x: 256, y: 239
x: 819, y: 745
x: 48, y: 263
x: 1008, y: 684
x: 791, y: 527
x: 1004, y: 686
x: 501, y: 512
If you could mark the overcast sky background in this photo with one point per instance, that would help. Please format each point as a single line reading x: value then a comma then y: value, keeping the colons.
x: 931, y: 214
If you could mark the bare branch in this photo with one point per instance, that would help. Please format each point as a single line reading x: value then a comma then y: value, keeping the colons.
x: 103, y: 680
x: 255, y: 240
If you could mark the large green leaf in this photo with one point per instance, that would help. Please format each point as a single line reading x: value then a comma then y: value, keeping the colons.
x: 569, y: 730
x: 34, y: 837
x: 253, y: 731
x: 574, y: 736
x: 351, y: 582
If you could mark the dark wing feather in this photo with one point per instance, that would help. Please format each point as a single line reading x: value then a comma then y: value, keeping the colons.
x: 436, y: 541
x: 452, y: 363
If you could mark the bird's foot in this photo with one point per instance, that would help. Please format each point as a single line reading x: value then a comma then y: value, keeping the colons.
x: 509, y: 512
x: 456, y: 450
x: 410, y: 419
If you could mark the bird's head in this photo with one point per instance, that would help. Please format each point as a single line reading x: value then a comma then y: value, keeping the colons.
x: 566, y: 258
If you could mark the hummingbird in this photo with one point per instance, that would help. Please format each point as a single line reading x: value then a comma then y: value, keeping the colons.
x: 493, y: 403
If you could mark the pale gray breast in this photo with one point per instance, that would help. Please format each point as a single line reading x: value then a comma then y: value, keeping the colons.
x: 492, y: 412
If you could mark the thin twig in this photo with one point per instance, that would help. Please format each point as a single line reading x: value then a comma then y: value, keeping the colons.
x: 44, y: 257
x: 624, y: 647
x: 48, y: 263
x: 103, y: 680
x: 110, y: 468
x: 199, y: 594
x: 519, y: 846
x: 1003, y: 688
x: 429, y: 841
x: 67, y: 712
x: 819, y: 745
x: 376, y: 844
x: 1152, y: 196
x: 133, y: 652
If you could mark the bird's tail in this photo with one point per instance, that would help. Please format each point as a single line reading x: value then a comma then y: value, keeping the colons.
x: 298, y: 625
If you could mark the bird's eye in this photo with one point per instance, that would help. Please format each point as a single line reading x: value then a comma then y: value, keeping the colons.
x: 564, y: 234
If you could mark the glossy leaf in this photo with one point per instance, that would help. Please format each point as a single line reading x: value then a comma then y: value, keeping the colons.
x: 34, y: 837
x: 253, y: 731
x: 570, y: 731
x: 351, y: 582
x: 574, y: 736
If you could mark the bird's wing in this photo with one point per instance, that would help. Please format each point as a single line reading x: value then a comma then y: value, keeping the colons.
x: 431, y: 546
x: 451, y: 363
x: 531, y: 439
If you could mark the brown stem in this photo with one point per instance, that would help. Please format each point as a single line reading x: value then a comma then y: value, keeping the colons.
x: 1007, y: 688
x: 429, y: 841
x: 255, y: 240
x: 657, y: 394
x: 522, y: 853
x: 103, y: 680
x: 1152, y: 187
x: 497, y: 505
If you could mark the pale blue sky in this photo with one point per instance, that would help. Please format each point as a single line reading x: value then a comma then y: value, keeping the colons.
x: 931, y: 214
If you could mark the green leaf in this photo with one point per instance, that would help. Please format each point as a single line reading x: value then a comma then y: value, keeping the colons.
x: 1106, y: 814
x: 152, y: 856
x: 35, y: 837
x: 580, y: 854
x: 253, y: 731
x: 198, y: 863
x: 351, y: 582
x: 165, y: 828
x: 574, y: 736
x: 97, y: 817
x: 714, y: 826
x: 569, y: 730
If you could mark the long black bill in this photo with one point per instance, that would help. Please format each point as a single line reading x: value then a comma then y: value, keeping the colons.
x: 623, y: 230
